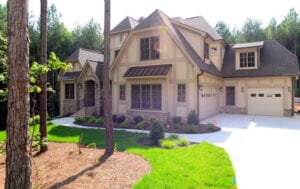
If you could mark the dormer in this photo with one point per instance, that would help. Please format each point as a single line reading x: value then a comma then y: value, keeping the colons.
x: 247, y: 55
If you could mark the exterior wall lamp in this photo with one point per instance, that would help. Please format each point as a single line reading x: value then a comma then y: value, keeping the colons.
x: 79, y: 86
x: 242, y: 89
x: 221, y: 89
x: 289, y: 89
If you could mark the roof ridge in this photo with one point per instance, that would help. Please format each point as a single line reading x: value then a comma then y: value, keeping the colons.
x: 89, y: 50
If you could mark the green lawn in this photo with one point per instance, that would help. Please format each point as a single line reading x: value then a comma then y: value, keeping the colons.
x: 198, y: 166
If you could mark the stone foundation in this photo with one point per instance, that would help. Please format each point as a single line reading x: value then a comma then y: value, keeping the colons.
x: 163, y: 117
x: 233, y: 110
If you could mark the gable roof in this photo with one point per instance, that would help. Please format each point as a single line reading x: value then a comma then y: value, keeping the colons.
x: 82, y: 55
x: 70, y: 75
x: 199, y: 23
x: 97, y: 68
x: 127, y: 23
x: 275, y: 60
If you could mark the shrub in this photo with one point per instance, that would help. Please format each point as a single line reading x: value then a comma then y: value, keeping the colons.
x: 121, y: 118
x: 168, y: 144
x: 96, y: 120
x: 157, y: 131
x: 125, y: 123
x: 83, y: 118
x: 177, y: 125
x: 176, y: 119
x: 212, y: 127
x: 140, y: 125
x: 173, y: 137
x: 114, y: 117
x: 137, y: 119
x: 192, y: 128
x: 193, y: 118
x: 182, y: 142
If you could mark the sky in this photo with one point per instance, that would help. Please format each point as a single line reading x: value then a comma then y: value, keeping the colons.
x: 232, y: 12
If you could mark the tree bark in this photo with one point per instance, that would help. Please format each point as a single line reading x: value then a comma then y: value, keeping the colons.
x: 18, y: 160
x: 109, y: 149
x: 43, y: 79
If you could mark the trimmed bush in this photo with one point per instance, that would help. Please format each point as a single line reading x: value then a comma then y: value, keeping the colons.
x: 125, y: 124
x: 114, y: 117
x: 121, y: 118
x: 182, y: 142
x: 140, y: 125
x: 96, y: 120
x: 193, y: 118
x: 157, y: 131
x: 176, y: 119
x: 137, y: 119
x: 168, y: 144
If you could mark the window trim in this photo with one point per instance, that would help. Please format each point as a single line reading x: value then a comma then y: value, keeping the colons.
x: 149, y: 48
x: 138, y: 99
x: 181, y: 92
x: 247, y: 52
x: 69, y: 95
x: 122, y: 92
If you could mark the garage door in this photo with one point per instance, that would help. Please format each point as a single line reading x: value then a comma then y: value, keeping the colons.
x: 265, y: 101
x: 208, y: 102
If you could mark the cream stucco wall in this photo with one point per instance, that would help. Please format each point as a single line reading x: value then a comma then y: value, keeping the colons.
x: 182, y: 72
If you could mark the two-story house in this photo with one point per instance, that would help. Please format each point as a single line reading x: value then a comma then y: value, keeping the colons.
x: 164, y: 67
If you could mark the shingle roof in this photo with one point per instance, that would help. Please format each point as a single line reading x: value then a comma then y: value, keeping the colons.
x: 127, y: 23
x: 153, y: 70
x: 199, y: 23
x: 97, y: 67
x: 82, y: 55
x: 275, y: 60
x: 70, y: 75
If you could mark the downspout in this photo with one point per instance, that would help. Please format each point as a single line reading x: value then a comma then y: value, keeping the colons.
x: 198, y: 93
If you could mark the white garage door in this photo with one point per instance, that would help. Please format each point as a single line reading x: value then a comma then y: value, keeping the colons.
x: 208, y: 102
x: 265, y: 101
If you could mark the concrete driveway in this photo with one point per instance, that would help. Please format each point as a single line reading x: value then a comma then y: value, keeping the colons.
x: 265, y: 150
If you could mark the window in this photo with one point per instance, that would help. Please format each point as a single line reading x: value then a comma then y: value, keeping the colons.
x: 149, y: 48
x: 261, y: 95
x: 146, y: 97
x: 213, y: 50
x: 69, y: 91
x: 230, y: 96
x: 247, y: 59
x: 122, y: 92
x: 206, y: 51
x: 181, y: 92
x: 277, y: 95
x: 117, y: 52
x: 253, y: 95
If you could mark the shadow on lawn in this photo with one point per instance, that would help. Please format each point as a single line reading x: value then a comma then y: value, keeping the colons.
x: 123, y: 140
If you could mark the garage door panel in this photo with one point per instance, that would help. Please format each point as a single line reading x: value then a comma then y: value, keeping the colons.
x: 208, y: 102
x: 265, y: 101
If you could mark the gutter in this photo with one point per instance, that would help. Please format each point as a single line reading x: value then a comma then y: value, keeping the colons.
x: 198, y: 93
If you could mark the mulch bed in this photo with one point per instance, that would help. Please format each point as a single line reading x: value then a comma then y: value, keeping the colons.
x: 63, y: 167
x: 168, y: 127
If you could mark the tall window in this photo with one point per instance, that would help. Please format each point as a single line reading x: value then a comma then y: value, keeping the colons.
x: 122, y: 92
x: 149, y: 48
x: 247, y: 59
x: 146, y: 97
x: 206, y: 50
x: 69, y: 91
x: 117, y: 52
x: 230, y: 96
x: 181, y: 92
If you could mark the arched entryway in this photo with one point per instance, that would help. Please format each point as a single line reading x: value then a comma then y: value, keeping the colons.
x: 89, y: 94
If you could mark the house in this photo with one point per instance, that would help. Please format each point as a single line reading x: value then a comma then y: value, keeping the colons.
x: 164, y: 67
x: 80, y: 85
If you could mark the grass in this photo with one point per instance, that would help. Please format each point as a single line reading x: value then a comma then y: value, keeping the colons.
x: 198, y: 166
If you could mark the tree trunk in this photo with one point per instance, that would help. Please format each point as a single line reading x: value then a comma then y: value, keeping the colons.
x: 43, y: 79
x: 18, y: 160
x: 109, y: 149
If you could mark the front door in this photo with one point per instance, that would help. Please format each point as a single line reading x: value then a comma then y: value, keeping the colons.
x: 89, y: 96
